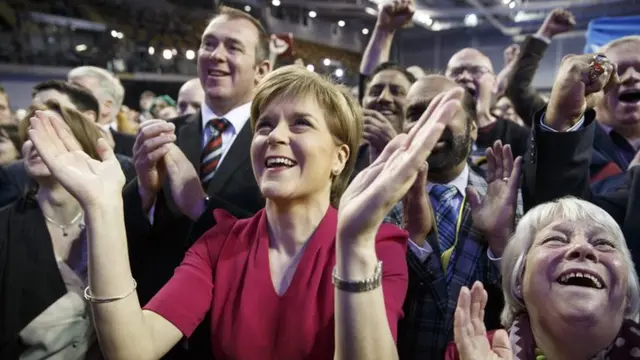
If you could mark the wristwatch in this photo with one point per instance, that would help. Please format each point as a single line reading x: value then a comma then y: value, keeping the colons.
x: 359, y: 286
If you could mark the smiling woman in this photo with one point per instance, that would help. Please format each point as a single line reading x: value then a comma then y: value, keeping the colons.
x: 300, y: 279
x: 571, y: 290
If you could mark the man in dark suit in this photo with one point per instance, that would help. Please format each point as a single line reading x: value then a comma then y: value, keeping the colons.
x: 110, y: 94
x: 613, y: 144
x: 558, y: 163
x: 14, y: 180
x: 210, y: 153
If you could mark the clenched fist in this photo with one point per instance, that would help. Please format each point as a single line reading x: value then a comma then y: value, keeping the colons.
x: 577, y: 87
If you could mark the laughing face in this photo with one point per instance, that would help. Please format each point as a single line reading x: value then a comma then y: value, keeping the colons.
x: 293, y: 152
x: 227, y: 65
x: 621, y: 105
x: 386, y: 93
x: 575, y: 273
x: 473, y: 71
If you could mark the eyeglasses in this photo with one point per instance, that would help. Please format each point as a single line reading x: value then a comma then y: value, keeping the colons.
x: 475, y: 71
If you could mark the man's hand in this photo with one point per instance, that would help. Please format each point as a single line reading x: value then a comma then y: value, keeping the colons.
x: 152, y: 144
x: 580, y: 83
x: 395, y: 15
x: 557, y: 22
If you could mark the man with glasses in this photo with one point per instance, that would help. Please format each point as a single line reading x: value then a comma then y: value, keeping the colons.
x: 473, y: 70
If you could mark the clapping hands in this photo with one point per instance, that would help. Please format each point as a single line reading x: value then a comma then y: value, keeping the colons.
x: 495, y: 215
x: 92, y: 182
x: 469, y: 332
x: 377, y: 188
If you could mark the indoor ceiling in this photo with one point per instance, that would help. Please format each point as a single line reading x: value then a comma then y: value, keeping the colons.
x: 510, y: 17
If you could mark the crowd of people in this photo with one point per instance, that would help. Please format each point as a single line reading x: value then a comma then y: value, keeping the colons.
x: 270, y: 213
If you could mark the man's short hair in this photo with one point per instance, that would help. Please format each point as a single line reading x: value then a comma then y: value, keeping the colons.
x: 80, y: 97
x: 109, y: 85
x: 390, y: 65
x: 262, y: 49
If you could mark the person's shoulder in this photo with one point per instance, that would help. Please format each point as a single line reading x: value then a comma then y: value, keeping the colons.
x: 184, y: 119
x: 228, y: 225
x: 389, y: 231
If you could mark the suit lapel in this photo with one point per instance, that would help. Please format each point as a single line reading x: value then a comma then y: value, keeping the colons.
x: 189, y: 139
x: 235, y: 157
x: 603, y: 143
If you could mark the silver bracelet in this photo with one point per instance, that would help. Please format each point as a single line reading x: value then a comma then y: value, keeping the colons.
x: 369, y: 284
x: 96, y: 300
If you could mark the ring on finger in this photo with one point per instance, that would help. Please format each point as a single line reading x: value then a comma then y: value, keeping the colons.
x: 597, y: 67
x: 505, y: 179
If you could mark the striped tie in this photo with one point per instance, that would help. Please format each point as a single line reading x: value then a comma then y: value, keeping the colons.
x: 212, y: 152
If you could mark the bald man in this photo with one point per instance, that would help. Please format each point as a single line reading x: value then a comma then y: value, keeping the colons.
x: 190, y: 97
x: 473, y: 70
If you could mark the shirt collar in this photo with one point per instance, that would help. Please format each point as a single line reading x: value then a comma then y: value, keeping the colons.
x: 237, y: 117
x: 460, y: 182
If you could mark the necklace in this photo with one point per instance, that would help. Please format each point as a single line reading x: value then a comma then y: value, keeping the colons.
x: 65, y: 226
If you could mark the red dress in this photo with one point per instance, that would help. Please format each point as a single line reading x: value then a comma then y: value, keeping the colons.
x: 227, y: 272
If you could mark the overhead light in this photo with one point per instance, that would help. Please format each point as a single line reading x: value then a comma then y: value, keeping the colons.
x: 365, y: 31
x: 339, y: 72
x: 174, y: 52
x: 423, y: 18
x: 120, y: 35
x: 275, y: 2
x: 114, y: 33
x: 167, y: 54
x: 471, y: 20
x: 311, y: 68
x: 371, y: 11
x: 520, y: 16
x: 151, y: 50
x: 506, y: 1
x: 247, y: 8
x: 341, y: 23
x: 436, y: 26
x: 312, y: 14
x: 326, y: 62
x: 190, y: 54
x: 512, y: 5
x: 81, y: 47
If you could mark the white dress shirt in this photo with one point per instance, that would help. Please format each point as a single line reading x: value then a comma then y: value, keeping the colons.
x: 237, y: 118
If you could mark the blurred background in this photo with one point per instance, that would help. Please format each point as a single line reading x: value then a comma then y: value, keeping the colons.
x: 151, y: 44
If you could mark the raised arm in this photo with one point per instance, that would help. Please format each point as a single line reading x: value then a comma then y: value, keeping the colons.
x: 124, y: 330
x: 364, y: 327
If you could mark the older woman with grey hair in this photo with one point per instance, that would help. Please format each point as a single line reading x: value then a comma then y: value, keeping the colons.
x: 571, y: 291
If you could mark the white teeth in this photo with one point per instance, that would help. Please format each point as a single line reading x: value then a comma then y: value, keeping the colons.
x: 275, y: 161
x: 565, y: 278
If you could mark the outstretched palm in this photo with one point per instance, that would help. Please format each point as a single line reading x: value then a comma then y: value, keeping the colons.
x: 469, y: 332
x: 495, y: 214
x: 377, y: 188
x: 90, y: 181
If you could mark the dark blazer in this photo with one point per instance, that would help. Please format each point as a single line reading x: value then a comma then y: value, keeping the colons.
x: 29, y: 277
x: 124, y: 143
x: 525, y: 98
x: 14, y: 179
x: 506, y: 131
x: 159, y: 248
x: 156, y: 250
x: 558, y: 165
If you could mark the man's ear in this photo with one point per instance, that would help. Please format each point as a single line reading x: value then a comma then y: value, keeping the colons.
x: 262, y: 69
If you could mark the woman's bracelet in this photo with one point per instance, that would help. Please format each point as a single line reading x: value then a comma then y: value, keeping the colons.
x: 369, y: 284
x: 96, y: 300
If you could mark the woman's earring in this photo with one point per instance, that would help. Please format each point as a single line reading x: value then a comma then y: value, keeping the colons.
x: 335, y: 172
